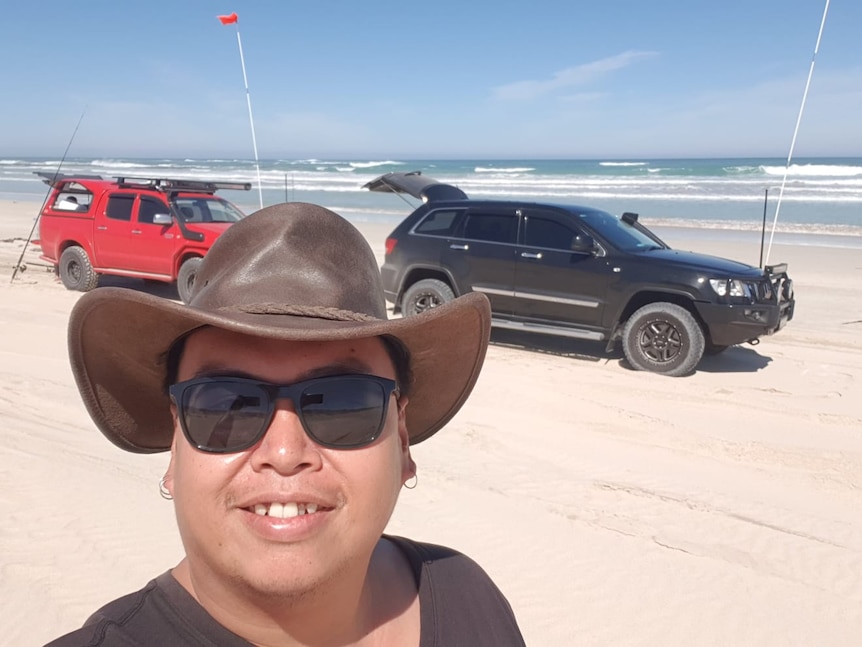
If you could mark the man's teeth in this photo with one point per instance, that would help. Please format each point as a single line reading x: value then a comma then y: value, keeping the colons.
x: 284, y: 510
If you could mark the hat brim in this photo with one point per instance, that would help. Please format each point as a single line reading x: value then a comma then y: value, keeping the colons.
x: 119, y: 338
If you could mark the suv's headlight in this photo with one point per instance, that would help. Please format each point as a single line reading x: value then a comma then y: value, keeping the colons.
x: 731, y: 288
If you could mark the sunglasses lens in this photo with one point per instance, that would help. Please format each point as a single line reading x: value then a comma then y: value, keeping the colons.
x: 231, y: 414
x: 224, y: 416
x: 344, y: 412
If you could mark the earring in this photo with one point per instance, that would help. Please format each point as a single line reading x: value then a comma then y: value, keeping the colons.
x: 409, y: 485
x: 164, y: 491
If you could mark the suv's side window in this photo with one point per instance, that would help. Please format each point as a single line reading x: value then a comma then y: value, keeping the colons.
x: 543, y: 232
x: 149, y: 207
x: 438, y: 223
x: 120, y: 206
x: 491, y: 227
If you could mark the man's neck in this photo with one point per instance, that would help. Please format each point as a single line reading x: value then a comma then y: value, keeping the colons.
x: 373, y: 604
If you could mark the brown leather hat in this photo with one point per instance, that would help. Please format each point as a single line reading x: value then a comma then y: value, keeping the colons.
x: 291, y: 271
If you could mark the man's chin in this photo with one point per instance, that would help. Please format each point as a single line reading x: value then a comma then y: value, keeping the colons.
x: 284, y: 586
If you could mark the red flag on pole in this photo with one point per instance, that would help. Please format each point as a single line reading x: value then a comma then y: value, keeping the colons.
x: 227, y: 20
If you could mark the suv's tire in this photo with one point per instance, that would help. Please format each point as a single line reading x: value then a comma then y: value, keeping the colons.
x: 663, y: 338
x: 186, y: 278
x: 76, y: 271
x: 424, y: 295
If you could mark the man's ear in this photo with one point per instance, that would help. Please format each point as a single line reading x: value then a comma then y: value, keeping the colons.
x: 403, y: 433
x: 408, y: 468
x: 169, y: 473
x: 408, y: 465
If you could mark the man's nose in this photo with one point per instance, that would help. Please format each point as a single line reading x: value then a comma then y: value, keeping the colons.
x: 285, y: 446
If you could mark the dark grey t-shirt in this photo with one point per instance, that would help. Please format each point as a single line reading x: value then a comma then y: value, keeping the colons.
x: 459, y: 605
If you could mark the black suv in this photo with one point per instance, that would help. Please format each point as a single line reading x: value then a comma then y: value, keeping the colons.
x: 577, y: 272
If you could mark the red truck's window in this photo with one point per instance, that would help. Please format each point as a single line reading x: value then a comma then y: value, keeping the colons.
x: 209, y: 209
x: 149, y: 207
x: 120, y: 207
x: 72, y: 202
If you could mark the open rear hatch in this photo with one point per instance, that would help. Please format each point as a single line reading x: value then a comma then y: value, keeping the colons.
x: 416, y: 185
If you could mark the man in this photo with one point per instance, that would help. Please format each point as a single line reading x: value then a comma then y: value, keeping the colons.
x: 68, y: 203
x: 289, y: 403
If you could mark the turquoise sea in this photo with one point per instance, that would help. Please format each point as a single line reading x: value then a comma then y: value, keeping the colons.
x: 820, y: 196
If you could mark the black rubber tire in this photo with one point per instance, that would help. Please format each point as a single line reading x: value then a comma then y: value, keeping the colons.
x: 76, y: 270
x: 424, y: 295
x: 186, y: 278
x: 714, y: 349
x: 663, y: 338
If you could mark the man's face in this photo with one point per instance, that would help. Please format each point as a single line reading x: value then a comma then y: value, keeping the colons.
x: 219, y: 497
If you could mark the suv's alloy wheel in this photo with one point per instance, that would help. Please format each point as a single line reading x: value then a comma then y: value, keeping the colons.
x: 663, y: 338
x: 424, y: 295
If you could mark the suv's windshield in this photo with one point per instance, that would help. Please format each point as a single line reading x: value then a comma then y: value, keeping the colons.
x: 206, y: 209
x: 618, y: 233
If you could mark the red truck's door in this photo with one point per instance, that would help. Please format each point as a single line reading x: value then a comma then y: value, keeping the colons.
x: 126, y: 239
x: 113, y: 226
x: 153, y: 245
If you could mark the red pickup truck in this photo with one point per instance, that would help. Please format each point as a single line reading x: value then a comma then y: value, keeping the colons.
x: 149, y: 228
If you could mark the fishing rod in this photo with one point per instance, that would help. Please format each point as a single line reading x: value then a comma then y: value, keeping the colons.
x: 50, y: 186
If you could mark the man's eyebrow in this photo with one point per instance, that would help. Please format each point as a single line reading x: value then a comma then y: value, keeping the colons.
x: 341, y: 367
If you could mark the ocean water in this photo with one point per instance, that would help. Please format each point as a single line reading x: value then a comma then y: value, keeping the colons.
x: 816, y: 196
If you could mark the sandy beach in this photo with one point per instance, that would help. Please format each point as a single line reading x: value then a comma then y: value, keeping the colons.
x: 612, y: 507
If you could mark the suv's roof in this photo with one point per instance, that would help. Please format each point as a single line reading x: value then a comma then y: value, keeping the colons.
x: 430, y: 190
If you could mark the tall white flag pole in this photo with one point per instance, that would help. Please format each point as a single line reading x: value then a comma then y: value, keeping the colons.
x: 796, y: 129
x: 225, y: 20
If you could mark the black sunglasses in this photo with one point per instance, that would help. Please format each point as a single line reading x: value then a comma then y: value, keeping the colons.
x: 222, y: 415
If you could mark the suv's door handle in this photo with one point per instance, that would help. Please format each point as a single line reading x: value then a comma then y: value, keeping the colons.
x: 531, y: 255
x: 463, y: 246
x: 102, y: 228
x: 136, y: 231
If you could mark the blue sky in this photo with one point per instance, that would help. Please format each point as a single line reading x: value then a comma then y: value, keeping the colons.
x: 451, y: 78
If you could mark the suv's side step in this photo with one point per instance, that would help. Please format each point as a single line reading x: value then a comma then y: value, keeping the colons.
x: 547, y: 329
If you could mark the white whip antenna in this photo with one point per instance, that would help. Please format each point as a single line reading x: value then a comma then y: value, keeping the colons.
x: 234, y: 19
x: 796, y: 130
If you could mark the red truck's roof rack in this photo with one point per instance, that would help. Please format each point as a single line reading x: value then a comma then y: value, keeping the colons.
x: 172, y: 184
x: 159, y: 184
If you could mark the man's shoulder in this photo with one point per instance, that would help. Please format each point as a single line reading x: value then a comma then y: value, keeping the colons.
x: 440, y: 558
x: 101, y: 627
x: 161, y: 613
x: 459, y: 602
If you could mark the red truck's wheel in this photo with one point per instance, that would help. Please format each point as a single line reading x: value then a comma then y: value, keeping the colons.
x: 76, y: 271
x: 186, y: 278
